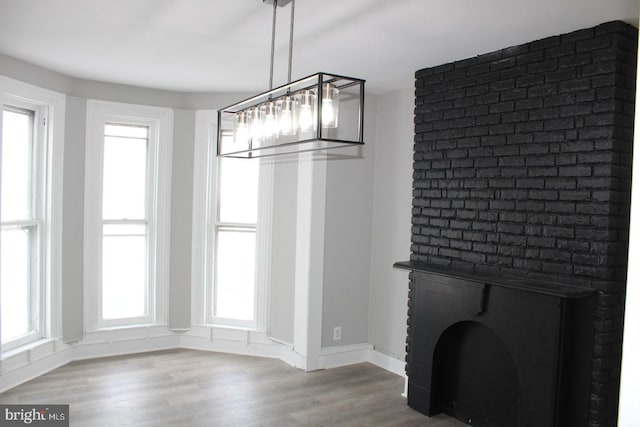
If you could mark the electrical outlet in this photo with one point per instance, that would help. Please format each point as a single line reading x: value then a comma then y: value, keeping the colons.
x: 337, y: 333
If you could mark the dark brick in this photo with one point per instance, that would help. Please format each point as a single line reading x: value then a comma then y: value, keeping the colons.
x: 573, y: 85
x: 504, y: 63
x: 540, y: 161
x: 473, y: 236
x: 542, y: 171
x: 578, y: 146
x: 573, y: 245
x: 528, y: 104
x: 522, y: 165
x: 576, y: 110
x: 560, y: 207
x: 541, y: 67
x: 597, y: 68
x: 559, y: 124
x: 577, y: 171
x: 563, y: 99
x: 513, y: 94
x: 543, y: 90
x: 550, y: 136
x: 513, y: 216
x: 530, y: 206
x: 491, y: 119
x: 600, y: 120
x: 562, y: 50
x: 530, y: 80
x: 536, y: 126
x: 561, y: 75
x: 543, y: 195
x: 527, y: 58
x: 485, y: 248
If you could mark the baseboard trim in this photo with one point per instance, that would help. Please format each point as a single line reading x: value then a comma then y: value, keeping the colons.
x: 334, y: 357
x: 23, y: 366
x: 235, y: 341
x: 31, y: 362
x: 387, y: 362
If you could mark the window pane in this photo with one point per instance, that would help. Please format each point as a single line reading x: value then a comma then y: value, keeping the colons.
x: 124, y: 266
x: 15, y: 276
x: 16, y: 165
x: 238, y: 190
x: 124, y: 176
x: 235, y: 274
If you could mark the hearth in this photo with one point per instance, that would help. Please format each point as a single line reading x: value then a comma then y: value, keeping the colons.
x: 498, y: 351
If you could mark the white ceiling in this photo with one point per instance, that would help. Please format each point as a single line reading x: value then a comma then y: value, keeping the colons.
x: 223, y: 45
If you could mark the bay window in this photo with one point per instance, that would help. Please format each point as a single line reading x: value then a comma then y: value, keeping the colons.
x: 128, y: 176
x: 30, y: 204
x: 231, y: 234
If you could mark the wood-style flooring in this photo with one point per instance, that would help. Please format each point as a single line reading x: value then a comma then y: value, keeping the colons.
x: 195, y: 388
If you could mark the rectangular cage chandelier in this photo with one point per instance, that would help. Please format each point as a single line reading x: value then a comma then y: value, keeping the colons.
x: 318, y: 112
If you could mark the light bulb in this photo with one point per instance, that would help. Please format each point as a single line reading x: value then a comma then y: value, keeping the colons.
x: 330, y: 105
x: 306, y: 116
x: 327, y: 112
x: 286, y: 116
x: 242, y: 134
x: 257, y: 126
x: 270, y: 123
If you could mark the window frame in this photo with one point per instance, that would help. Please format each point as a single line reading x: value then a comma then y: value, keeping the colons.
x: 48, y: 109
x: 206, y: 226
x: 160, y: 123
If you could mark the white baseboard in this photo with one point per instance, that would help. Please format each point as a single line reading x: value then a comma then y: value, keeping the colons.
x: 333, y: 357
x: 26, y: 364
x: 23, y: 365
x: 229, y: 340
x: 387, y: 362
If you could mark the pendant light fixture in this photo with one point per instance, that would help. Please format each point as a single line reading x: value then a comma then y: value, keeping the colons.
x: 318, y: 112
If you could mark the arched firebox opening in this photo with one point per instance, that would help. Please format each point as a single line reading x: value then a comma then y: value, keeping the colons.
x: 475, y: 378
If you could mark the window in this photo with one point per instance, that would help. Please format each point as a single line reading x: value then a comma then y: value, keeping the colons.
x: 21, y: 215
x: 29, y: 213
x: 234, y: 281
x: 127, y: 186
x: 234, y: 251
x: 125, y: 245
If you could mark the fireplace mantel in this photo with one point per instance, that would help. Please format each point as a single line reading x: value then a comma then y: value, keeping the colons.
x: 507, y: 281
x: 498, y: 351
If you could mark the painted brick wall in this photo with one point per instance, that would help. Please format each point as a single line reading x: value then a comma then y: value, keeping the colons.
x: 522, y: 165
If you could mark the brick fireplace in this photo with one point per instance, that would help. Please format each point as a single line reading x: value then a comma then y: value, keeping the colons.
x: 522, y: 167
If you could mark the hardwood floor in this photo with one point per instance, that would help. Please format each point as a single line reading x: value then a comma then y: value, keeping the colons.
x: 196, y: 388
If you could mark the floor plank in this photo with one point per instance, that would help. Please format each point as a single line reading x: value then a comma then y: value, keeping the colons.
x: 195, y: 388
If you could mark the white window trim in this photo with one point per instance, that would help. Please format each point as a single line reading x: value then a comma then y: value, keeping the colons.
x: 160, y: 155
x: 205, y: 174
x: 52, y: 107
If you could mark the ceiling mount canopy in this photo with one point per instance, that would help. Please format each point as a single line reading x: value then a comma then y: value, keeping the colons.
x: 318, y: 112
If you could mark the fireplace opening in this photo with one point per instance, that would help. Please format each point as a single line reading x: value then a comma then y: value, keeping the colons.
x: 475, y: 378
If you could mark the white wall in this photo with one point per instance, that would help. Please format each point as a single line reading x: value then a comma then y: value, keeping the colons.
x: 391, y: 222
x: 347, y: 239
x: 73, y: 219
x: 283, y: 252
x: 181, y: 214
